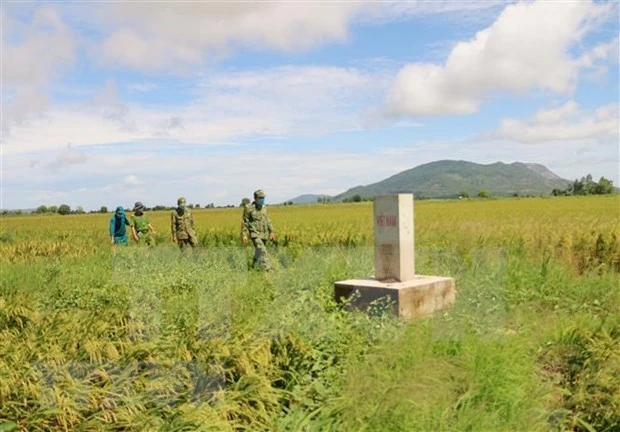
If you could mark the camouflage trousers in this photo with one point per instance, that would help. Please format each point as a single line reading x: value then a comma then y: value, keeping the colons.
x: 261, y: 257
x: 190, y: 241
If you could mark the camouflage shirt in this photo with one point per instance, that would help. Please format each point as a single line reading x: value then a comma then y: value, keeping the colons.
x: 182, y: 225
x: 256, y: 223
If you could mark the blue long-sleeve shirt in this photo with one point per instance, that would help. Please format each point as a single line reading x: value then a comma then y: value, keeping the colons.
x: 118, y: 225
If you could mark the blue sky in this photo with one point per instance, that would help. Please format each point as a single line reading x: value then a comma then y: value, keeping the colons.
x: 108, y: 103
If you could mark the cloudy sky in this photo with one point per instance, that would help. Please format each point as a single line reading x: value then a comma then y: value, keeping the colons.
x: 107, y: 103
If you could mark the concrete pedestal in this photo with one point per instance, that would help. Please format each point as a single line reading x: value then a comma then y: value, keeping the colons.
x: 420, y: 296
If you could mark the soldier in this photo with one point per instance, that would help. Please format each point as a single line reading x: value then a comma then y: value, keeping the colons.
x: 256, y: 225
x: 118, y: 223
x: 140, y: 227
x: 182, y: 226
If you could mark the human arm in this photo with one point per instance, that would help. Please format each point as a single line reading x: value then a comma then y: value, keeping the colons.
x: 112, y: 230
x: 134, y: 233
x: 173, y: 228
x: 244, y: 226
x: 272, y: 233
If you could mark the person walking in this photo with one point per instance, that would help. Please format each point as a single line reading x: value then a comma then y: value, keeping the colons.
x: 182, y: 226
x: 141, y: 228
x: 118, y: 224
x: 256, y: 226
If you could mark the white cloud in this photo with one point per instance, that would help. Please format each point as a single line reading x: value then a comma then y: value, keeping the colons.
x: 108, y: 103
x: 527, y: 48
x: 184, y: 35
x: 132, y: 180
x: 562, y: 123
x: 283, y: 101
x: 67, y: 157
x: 33, y: 54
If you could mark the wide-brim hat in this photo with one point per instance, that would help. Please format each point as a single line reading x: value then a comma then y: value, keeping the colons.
x: 138, y: 206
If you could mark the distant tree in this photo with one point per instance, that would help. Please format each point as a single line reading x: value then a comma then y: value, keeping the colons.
x: 197, y: 206
x: 603, y: 187
x: 515, y: 195
x: 18, y: 211
x: 41, y: 209
x: 210, y: 205
x: 586, y: 186
x: 244, y: 202
x: 103, y: 209
x: 79, y: 210
x: 52, y: 209
x: 5, y: 212
x: 64, y: 209
x: 483, y: 193
x: 464, y: 194
x: 356, y: 198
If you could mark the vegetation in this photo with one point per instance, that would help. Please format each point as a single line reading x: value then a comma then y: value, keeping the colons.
x: 586, y: 186
x: 94, y: 337
x: 64, y: 209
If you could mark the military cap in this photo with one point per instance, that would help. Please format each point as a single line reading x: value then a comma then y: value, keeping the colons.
x: 138, y: 206
x: 181, y: 201
x: 259, y: 193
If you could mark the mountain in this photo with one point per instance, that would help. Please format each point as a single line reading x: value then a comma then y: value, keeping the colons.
x: 451, y: 178
x: 307, y: 199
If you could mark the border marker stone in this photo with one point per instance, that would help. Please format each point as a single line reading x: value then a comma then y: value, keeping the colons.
x: 412, y: 295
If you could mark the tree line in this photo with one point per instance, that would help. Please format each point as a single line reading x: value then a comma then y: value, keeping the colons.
x: 586, y: 186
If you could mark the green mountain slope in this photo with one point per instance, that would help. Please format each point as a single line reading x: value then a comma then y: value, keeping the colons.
x: 307, y: 199
x: 450, y: 178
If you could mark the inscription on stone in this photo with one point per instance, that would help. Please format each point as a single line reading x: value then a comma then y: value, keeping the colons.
x: 393, y: 217
x: 387, y: 220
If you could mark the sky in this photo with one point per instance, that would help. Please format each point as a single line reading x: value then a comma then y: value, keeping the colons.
x: 109, y: 103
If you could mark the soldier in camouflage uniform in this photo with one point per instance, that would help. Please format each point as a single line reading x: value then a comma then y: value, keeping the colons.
x: 141, y: 228
x: 256, y: 225
x: 182, y: 226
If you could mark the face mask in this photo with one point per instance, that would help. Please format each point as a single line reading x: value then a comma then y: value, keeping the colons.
x: 182, y: 207
x: 260, y: 201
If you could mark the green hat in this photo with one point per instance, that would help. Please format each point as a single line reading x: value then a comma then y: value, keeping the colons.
x: 259, y: 194
x: 181, y: 201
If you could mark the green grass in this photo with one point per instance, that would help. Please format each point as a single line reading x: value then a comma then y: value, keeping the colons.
x: 140, y: 340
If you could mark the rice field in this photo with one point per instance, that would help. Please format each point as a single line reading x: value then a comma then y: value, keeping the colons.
x: 99, y: 338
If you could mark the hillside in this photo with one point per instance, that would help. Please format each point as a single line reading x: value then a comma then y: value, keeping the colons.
x: 307, y: 199
x: 450, y: 178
